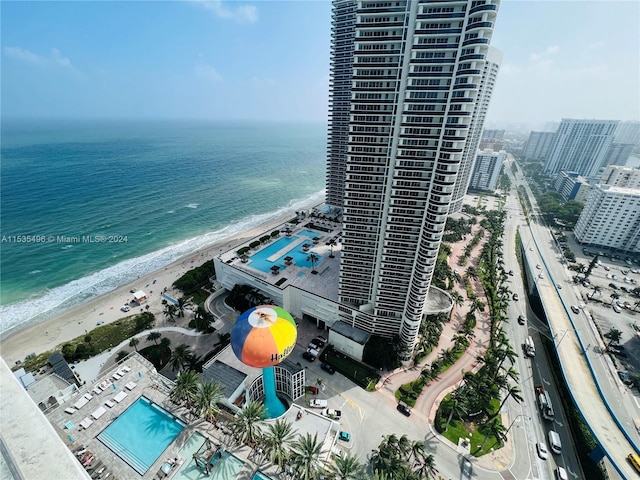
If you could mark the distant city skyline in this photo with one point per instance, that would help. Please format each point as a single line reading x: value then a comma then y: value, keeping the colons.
x: 269, y: 60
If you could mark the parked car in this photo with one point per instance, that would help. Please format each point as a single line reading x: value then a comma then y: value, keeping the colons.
x: 316, y: 403
x: 624, y: 376
x: 538, y: 266
x: 613, y: 285
x: 515, y: 297
x: 331, y: 413
x: 307, y: 356
x: 617, y: 352
x: 125, y: 308
x: 617, y: 309
x: 344, y: 436
x: 317, y: 343
x: 404, y: 409
x: 521, y: 320
x: 328, y: 368
x: 575, y: 309
x: 466, y: 469
x: 543, y: 453
x: 541, y: 275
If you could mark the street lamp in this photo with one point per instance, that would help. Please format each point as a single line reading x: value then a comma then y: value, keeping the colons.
x: 514, y: 421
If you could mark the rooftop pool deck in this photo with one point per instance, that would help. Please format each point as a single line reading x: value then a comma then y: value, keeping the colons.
x: 225, y: 466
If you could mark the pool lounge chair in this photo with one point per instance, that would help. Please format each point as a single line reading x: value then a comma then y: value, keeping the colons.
x: 120, y: 396
x: 70, y: 410
x: 130, y: 385
x: 88, y: 396
x: 98, y: 413
x: 110, y: 404
x: 116, y: 376
x: 80, y: 403
x: 86, y: 423
x: 97, y: 390
x: 126, y: 368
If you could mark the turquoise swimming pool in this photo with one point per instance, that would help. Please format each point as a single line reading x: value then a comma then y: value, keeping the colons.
x: 264, y: 259
x: 260, y: 476
x: 141, y: 434
x: 225, y: 466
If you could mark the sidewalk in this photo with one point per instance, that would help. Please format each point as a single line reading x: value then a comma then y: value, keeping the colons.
x: 430, y: 398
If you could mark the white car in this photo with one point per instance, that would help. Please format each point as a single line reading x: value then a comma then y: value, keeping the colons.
x: 315, y: 403
x: 543, y: 453
x: 125, y: 308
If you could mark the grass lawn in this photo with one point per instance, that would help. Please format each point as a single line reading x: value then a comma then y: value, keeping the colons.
x: 457, y: 429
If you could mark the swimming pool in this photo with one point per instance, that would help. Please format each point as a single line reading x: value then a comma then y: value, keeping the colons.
x: 141, y: 434
x: 225, y: 467
x: 260, y: 476
x: 263, y: 260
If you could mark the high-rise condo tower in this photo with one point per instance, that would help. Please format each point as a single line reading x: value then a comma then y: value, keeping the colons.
x: 405, y: 82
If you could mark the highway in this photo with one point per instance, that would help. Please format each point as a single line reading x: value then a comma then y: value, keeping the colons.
x: 533, y: 428
x: 588, y: 373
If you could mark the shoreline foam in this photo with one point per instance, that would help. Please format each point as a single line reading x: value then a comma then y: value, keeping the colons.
x: 36, y: 335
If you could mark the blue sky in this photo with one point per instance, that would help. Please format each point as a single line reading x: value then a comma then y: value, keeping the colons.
x: 270, y: 59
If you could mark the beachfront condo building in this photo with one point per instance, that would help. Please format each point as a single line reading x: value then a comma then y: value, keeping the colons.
x: 405, y: 82
x: 486, y: 170
x: 538, y: 145
x: 476, y: 127
x: 580, y: 146
x: 611, y: 218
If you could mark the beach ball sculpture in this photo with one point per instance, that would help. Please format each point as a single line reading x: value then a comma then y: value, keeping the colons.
x: 262, y: 337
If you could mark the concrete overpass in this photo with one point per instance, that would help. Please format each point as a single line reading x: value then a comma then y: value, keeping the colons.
x: 570, y: 332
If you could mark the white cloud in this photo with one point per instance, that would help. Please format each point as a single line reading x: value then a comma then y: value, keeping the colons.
x: 208, y: 73
x: 545, y: 55
x: 24, y: 55
x: 240, y: 14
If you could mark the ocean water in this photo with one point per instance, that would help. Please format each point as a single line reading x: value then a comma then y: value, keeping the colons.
x: 88, y: 206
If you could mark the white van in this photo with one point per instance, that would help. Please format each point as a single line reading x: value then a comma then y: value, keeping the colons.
x: 554, y: 442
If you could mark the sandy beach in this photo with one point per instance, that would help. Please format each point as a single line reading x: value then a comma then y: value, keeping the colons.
x: 106, y: 308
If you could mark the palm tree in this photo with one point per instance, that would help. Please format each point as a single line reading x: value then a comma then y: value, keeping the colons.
x: 457, y: 298
x: 477, y: 305
x: 331, y: 244
x: 306, y: 456
x: 206, y: 400
x: 346, y: 468
x: 277, y: 441
x: 472, y: 273
x: 427, y: 467
x: 153, y: 337
x: 313, y: 258
x: 614, y: 296
x: 181, y: 304
x: 134, y: 343
x: 596, y: 289
x: 245, y: 425
x: 614, y: 335
x: 512, y: 391
x: 186, y: 388
x: 180, y: 357
x: 165, y: 342
x: 636, y: 305
x: 170, y: 310
x: 458, y: 408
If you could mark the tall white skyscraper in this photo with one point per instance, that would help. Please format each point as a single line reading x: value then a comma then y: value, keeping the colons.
x: 489, y: 75
x: 486, y: 170
x: 580, y: 146
x: 414, y: 84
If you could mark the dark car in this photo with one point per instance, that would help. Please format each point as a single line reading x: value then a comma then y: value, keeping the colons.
x: 515, y: 297
x: 521, y: 320
x: 616, y: 351
x: 308, y: 356
x: 404, y: 409
x: 624, y: 376
x: 328, y: 368
x: 613, y: 285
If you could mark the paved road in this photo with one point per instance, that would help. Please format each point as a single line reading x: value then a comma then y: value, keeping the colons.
x: 571, y: 341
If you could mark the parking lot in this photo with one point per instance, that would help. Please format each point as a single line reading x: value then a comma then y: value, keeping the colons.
x: 609, y: 312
